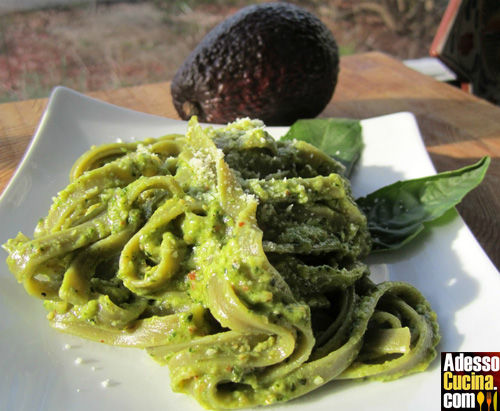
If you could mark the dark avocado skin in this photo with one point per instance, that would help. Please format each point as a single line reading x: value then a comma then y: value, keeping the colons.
x: 272, y: 61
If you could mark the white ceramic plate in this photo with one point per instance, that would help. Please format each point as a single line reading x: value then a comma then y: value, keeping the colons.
x: 41, y: 369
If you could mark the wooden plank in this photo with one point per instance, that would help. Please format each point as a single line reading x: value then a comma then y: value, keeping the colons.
x: 150, y: 98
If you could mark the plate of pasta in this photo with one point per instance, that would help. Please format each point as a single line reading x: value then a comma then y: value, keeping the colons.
x: 182, y: 258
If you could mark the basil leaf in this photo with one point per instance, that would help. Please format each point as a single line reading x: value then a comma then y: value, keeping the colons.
x: 338, y: 137
x: 398, y: 212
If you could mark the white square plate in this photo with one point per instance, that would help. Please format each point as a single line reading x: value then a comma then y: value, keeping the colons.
x: 42, y: 369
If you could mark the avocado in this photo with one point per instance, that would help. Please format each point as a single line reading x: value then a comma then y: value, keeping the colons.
x: 272, y: 61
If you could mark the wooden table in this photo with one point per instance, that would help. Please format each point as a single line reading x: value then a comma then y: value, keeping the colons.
x: 457, y: 128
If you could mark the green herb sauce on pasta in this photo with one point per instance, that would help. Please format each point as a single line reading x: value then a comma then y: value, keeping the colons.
x: 232, y: 258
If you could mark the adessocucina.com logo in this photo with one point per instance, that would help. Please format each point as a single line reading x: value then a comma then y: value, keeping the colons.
x: 469, y: 380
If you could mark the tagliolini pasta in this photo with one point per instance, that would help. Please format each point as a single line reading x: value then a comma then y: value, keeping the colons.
x: 232, y: 258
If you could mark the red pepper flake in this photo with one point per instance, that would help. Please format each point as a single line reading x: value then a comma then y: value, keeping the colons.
x: 229, y: 368
x: 101, y: 341
x: 241, y: 223
x: 192, y: 275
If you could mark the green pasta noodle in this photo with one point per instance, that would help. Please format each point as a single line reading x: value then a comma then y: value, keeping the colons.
x: 232, y: 258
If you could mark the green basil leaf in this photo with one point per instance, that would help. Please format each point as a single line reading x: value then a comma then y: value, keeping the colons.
x: 398, y: 212
x: 338, y: 137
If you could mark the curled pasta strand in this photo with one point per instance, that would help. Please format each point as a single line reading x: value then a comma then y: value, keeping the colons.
x: 136, y: 274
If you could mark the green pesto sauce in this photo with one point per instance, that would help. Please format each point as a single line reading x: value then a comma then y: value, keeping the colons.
x: 231, y: 257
